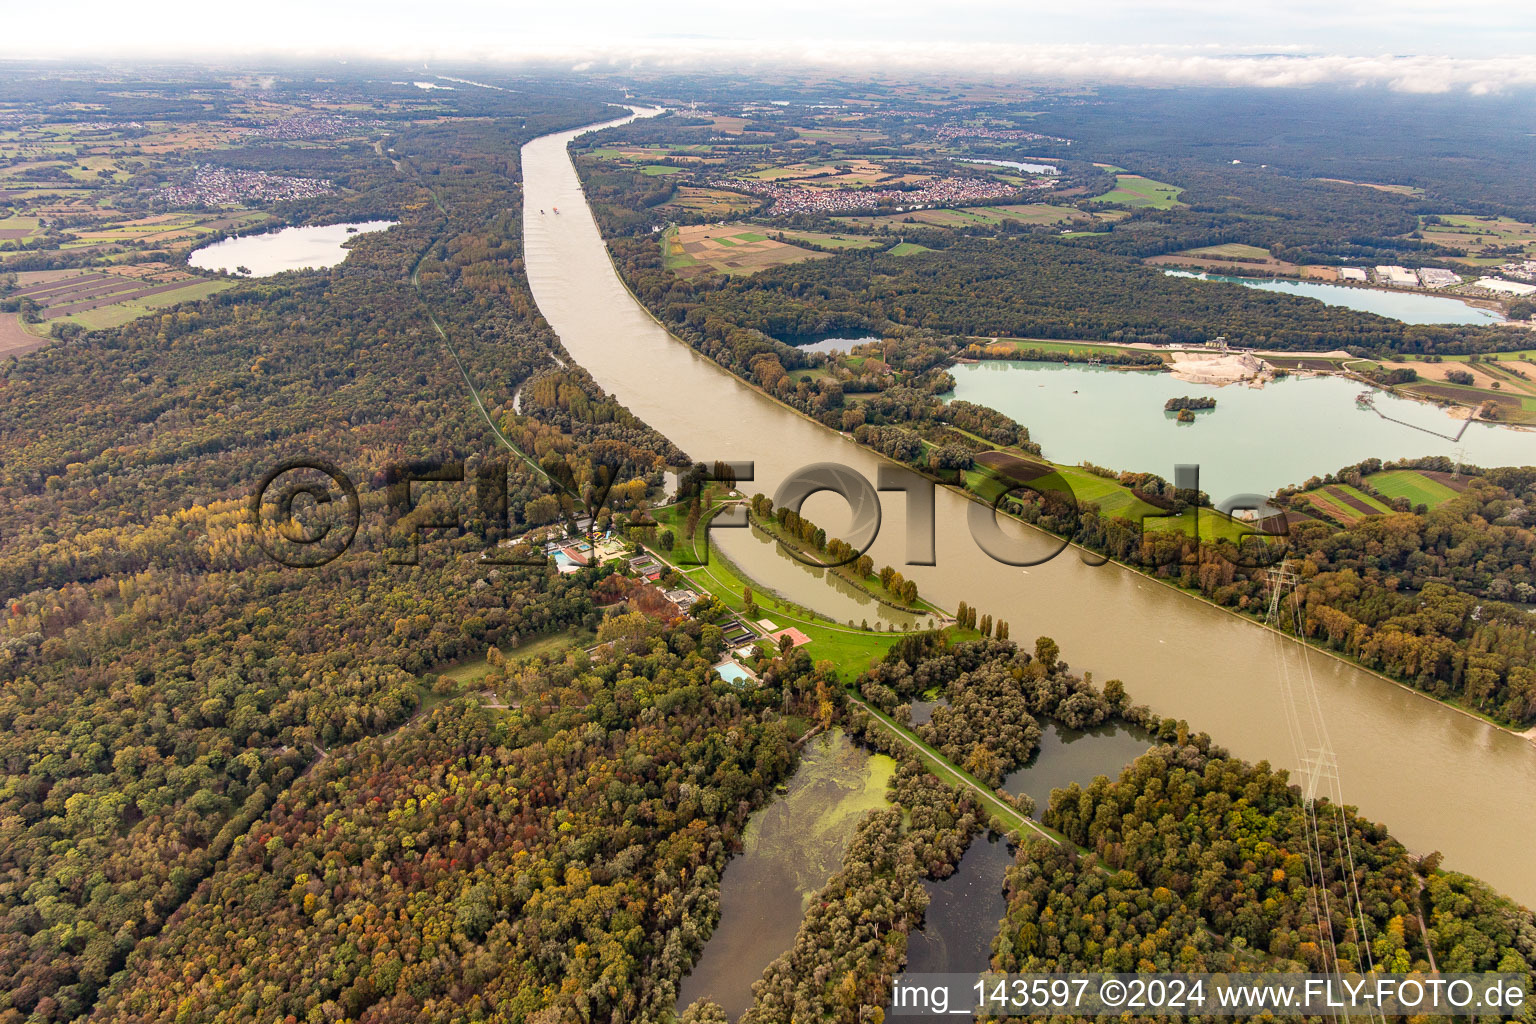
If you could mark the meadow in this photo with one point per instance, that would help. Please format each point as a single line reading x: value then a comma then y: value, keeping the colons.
x: 1140, y: 192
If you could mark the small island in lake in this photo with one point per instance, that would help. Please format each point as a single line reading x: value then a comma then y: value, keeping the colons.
x: 1186, y: 407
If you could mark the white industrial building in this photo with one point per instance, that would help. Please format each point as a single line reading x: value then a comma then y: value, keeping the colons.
x: 1435, y: 277
x: 1495, y: 284
x: 1397, y: 277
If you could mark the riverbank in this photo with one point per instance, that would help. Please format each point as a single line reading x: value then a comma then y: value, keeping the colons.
x: 850, y: 649
x: 1090, y: 553
x: 869, y: 585
x: 1429, y: 774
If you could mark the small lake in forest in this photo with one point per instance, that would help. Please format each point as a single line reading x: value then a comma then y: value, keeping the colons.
x: 829, y: 341
x: 963, y: 913
x: 1255, y: 441
x: 789, y: 851
x: 1409, y: 307
x: 301, y: 248
x: 964, y: 909
x: 1076, y: 755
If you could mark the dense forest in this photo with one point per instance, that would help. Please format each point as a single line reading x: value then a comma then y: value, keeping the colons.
x: 166, y: 682
x: 554, y: 860
x: 237, y: 791
x: 1190, y: 860
x: 1021, y: 288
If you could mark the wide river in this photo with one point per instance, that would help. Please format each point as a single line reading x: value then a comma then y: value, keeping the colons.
x: 1439, y: 779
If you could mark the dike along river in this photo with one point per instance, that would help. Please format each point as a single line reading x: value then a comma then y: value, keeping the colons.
x: 1439, y: 779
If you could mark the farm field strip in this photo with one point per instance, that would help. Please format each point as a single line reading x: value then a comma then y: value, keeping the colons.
x: 61, y: 283
x: 116, y: 298
x: 1417, y: 487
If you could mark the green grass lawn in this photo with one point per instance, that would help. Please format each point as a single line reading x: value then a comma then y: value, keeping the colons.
x: 1526, y: 354
x: 1085, y: 348
x: 1416, y: 487
x: 908, y: 249
x: 1142, y: 193
x: 467, y: 672
x: 1230, y: 250
x: 1112, y: 498
x: 850, y: 650
x: 672, y: 257
x: 831, y: 241
x: 657, y: 170
x: 1117, y: 501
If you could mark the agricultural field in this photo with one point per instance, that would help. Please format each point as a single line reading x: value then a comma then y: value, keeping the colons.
x: 1340, y: 502
x: 841, y: 135
x: 728, y: 249
x: 827, y: 240
x: 711, y: 201
x: 1231, y: 251
x: 1078, y: 348
x: 1024, y: 213
x: 1239, y: 258
x: 97, y: 216
x: 1140, y: 192
x: 95, y: 299
x: 687, y: 156
x: 1502, y: 405
x: 1487, y: 240
x: 15, y: 338
x: 1438, y: 371
x: 1400, y: 190
x: 1419, y: 487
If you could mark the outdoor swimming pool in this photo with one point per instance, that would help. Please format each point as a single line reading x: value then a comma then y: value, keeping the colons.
x: 734, y: 673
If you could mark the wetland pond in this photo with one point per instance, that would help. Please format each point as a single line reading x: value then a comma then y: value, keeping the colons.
x: 965, y: 908
x: 1076, y: 755
x: 305, y: 248
x: 792, y: 846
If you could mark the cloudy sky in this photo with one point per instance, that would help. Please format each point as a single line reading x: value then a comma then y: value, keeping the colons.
x: 1426, y: 45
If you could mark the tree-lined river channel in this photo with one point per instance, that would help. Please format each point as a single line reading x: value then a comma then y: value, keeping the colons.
x: 1438, y: 778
